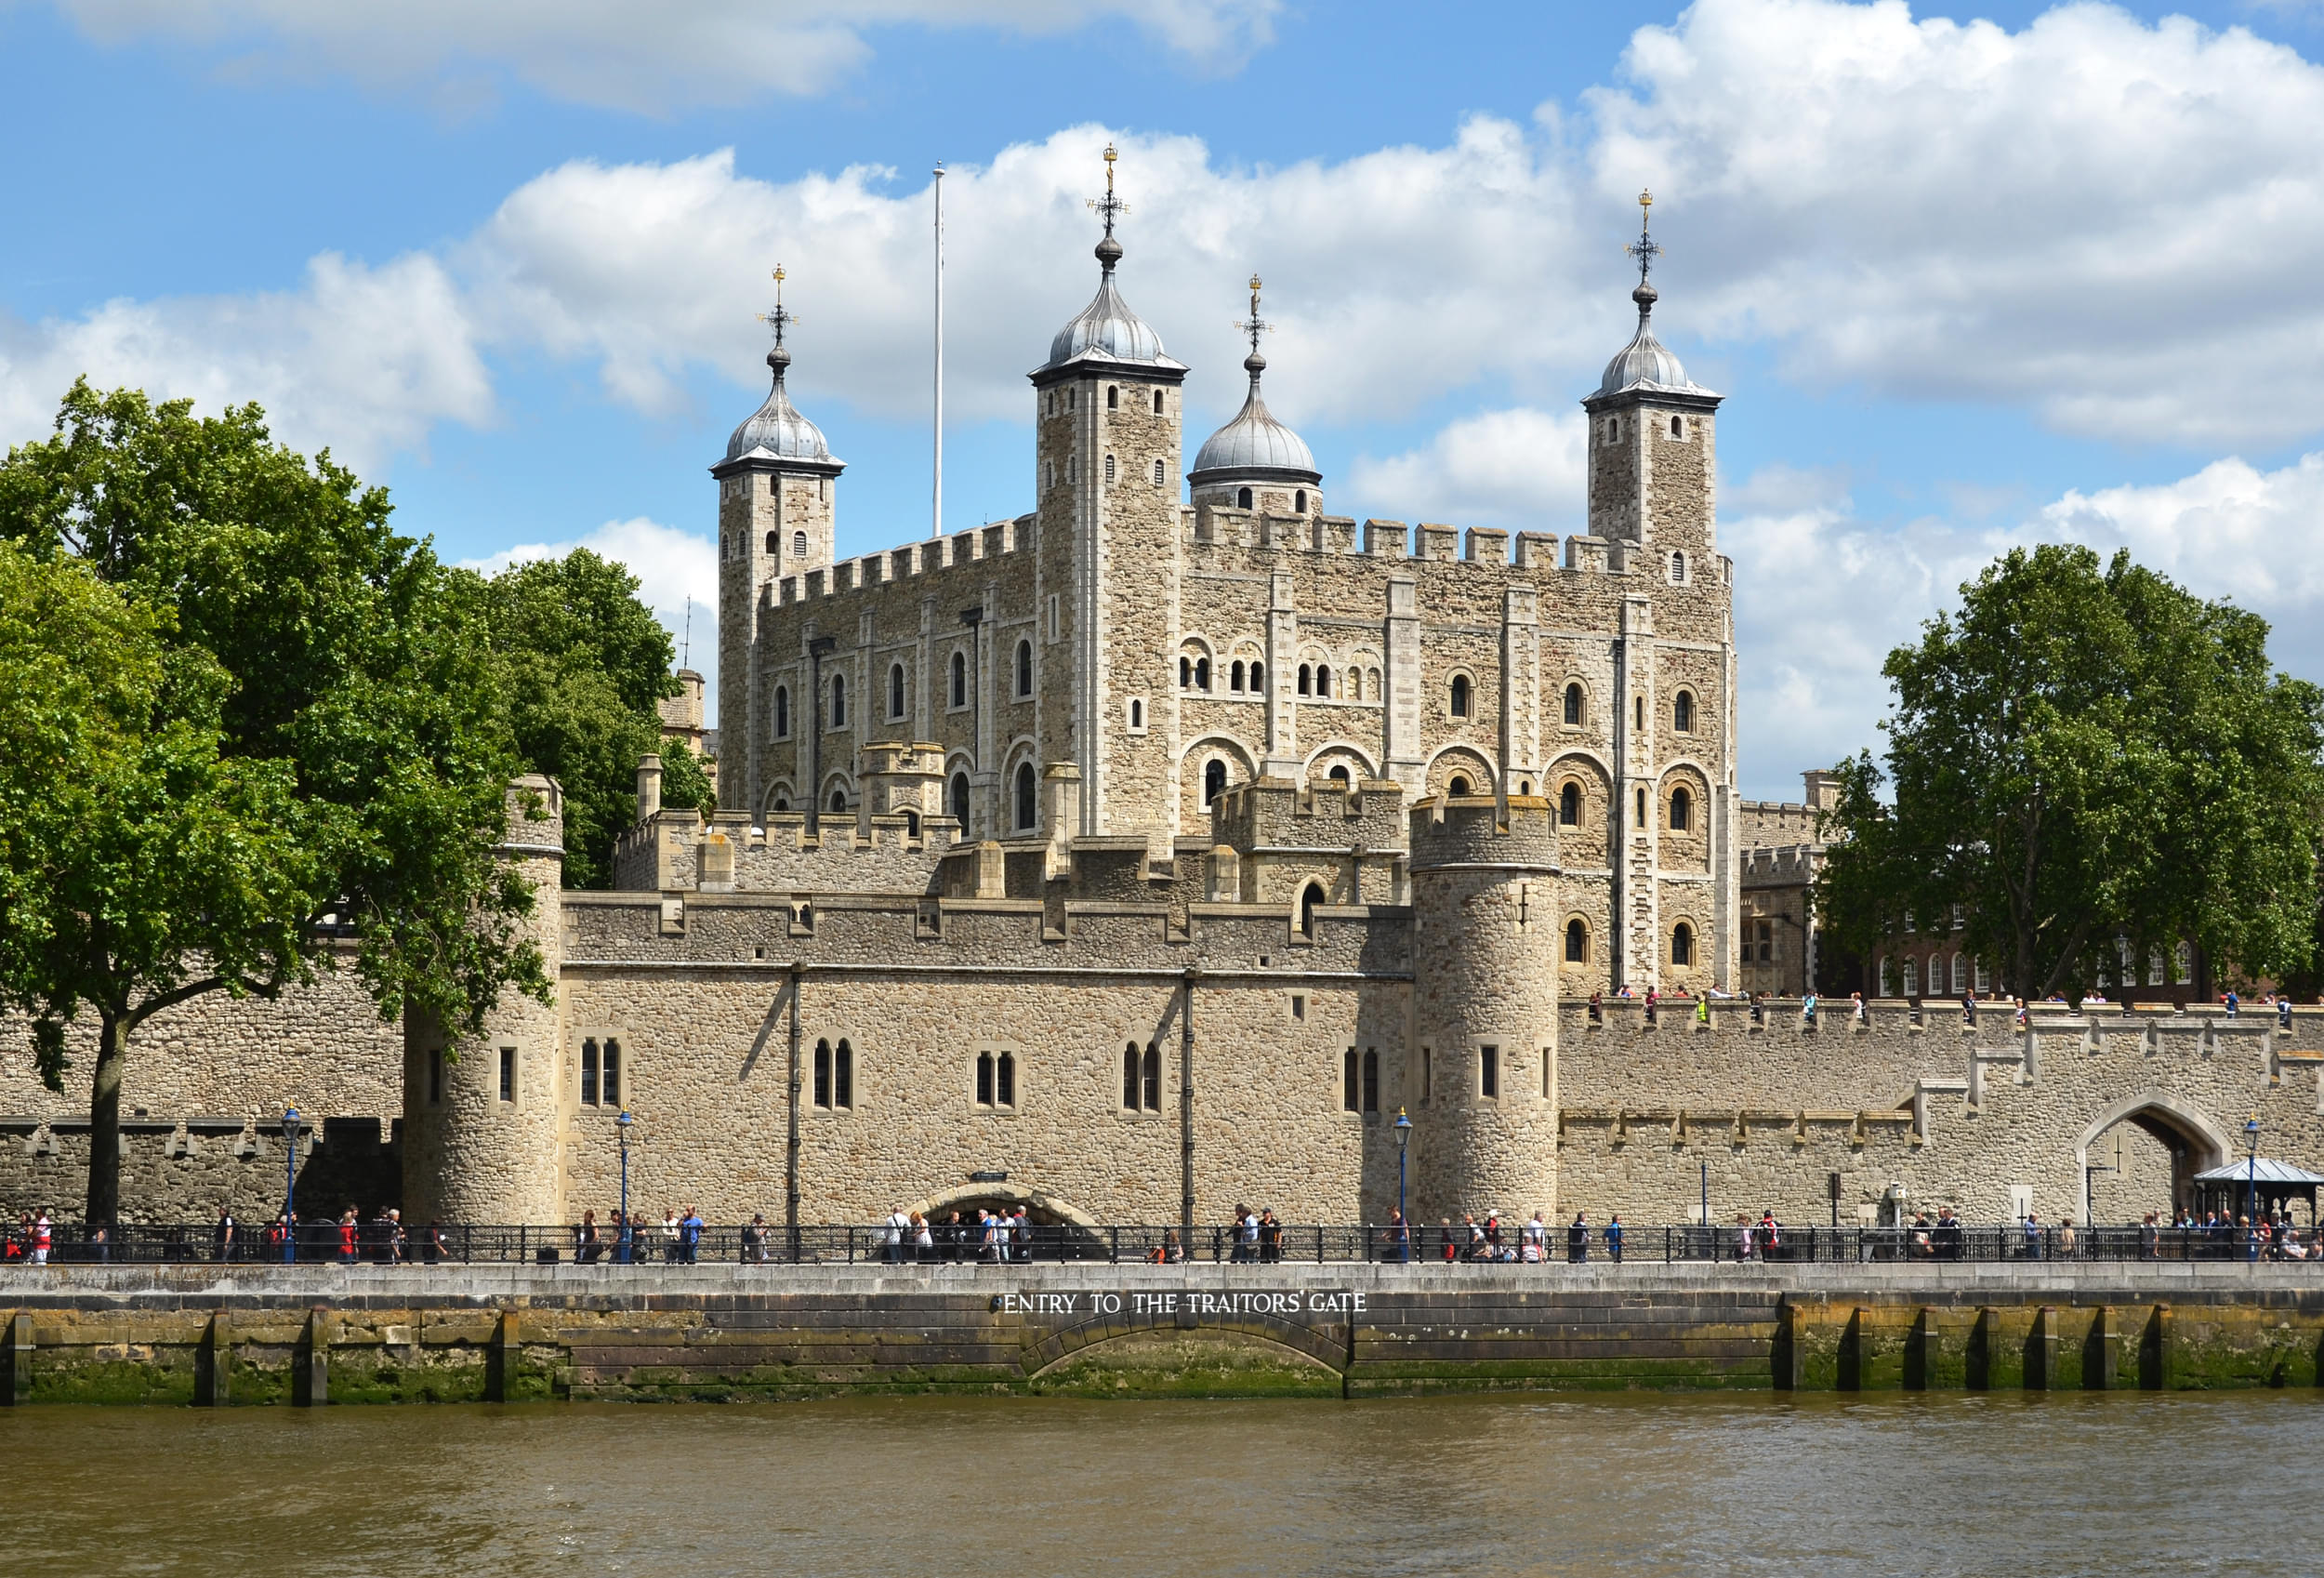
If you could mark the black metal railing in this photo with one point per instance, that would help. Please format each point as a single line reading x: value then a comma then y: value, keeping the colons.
x: 379, y: 1242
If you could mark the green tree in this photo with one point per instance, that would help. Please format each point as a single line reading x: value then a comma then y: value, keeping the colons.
x: 323, y: 755
x: 583, y: 663
x: 685, y: 782
x: 2083, y: 759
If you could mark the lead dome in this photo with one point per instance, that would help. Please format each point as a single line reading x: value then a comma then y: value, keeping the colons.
x: 776, y: 430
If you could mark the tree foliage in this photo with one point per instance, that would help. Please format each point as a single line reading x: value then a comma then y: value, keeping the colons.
x: 583, y: 664
x: 293, y: 732
x: 2085, y: 760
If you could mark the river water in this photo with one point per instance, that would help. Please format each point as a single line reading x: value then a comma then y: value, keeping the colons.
x: 2120, y: 1484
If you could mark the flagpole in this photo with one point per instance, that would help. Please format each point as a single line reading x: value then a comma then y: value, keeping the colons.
x: 936, y: 520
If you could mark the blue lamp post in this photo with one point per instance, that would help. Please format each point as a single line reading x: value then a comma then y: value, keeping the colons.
x: 621, y: 1126
x: 290, y: 1186
x: 1402, y: 1129
x: 2251, y: 1188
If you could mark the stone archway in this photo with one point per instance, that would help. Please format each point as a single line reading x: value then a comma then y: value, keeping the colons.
x: 1066, y: 1232
x: 2193, y: 1141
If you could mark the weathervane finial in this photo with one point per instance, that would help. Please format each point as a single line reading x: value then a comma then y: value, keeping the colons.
x: 781, y: 318
x: 1253, y: 326
x: 1109, y: 208
x: 1644, y: 249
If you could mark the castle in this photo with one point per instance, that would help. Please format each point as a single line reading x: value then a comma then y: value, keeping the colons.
x: 1147, y: 853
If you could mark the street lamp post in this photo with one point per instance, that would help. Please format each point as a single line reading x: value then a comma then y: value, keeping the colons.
x: 1402, y: 1129
x: 290, y: 1186
x: 2251, y: 1187
x: 621, y: 1127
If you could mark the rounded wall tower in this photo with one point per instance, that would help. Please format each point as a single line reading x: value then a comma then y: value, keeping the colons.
x: 1485, y: 1008
x: 481, y: 1129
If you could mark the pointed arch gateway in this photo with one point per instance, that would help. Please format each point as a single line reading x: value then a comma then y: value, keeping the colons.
x: 2194, y: 1140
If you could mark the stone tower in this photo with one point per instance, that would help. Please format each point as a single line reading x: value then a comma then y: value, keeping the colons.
x: 778, y: 509
x: 1653, y: 432
x: 1255, y: 462
x: 1109, y: 409
x: 1485, y: 938
x: 484, y: 1123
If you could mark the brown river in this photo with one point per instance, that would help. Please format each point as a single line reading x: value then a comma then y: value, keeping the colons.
x: 2121, y: 1484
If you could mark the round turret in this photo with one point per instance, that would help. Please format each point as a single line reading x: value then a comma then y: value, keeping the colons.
x: 483, y: 1119
x: 1485, y: 1008
x: 1255, y: 462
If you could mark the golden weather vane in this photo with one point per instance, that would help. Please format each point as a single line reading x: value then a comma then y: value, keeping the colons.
x: 1253, y: 326
x: 782, y: 317
x: 1644, y: 249
x: 1109, y: 207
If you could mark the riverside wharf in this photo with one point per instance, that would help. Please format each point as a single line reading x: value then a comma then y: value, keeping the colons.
x: 308, y: 1335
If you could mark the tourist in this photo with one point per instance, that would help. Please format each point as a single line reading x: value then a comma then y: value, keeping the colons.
x: 2283, y: 1012
x: 892, y: 1241
x: 1020, y: 1233
x: 1493, y: 1234
x: 42, y: 1233
x: 755, y: 1239
x: 1597, y: 1008
x: 1744, y: 1240
x: 1807, y: 1008
x: 1702, y: 1011
x: 1577, y: 1241
x: 1758, y: 1008
x: 222, y: 1235
x: 1613, y: 1239
x: 2033, y: 1235
x: 1451, y: 1248
x: 992, y: 1235
x: 1770, y: 1235
x: 669, y: 1238
x: 2232, y: 1001
x: 1537, y: 1239
x: 346, y: 1235
x: 1270, y: 1236
x: 1173, y: 1252
x: 1399, y: 1238
x: 690, y: 1233
x: 1968, y: 1008
x: 1247, y: 1233
x: 586, y: 1245
x: 1856, y: 1006
x: 2066, y: 1239
x: 923, y: 1240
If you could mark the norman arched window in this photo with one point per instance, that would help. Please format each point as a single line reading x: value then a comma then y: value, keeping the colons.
x: 1569, y: 806
x: 1461, y: 696
x: 1339, y: 773
x: 1113, y: 397
x: 1109, y: 471
x: 1024, y: 669
x: 1258, y: 676
x: 838, y: 799
x: 1676, y: 431
x: 1029, y: 799
x: 1307, y: 679
x: 1202, y: 674
x: 1213, y: 780
x: 1160, y: 478
x: 1234, y: 677
x: 1683, y: 712
x: 959, y: 678
x: 1678, y: 569
x: 798, y: 545
x: 1682, y: 944
x: 1572, y: 703
x: 783, y: 712
x: 1157, y: 402
x: 774, y: 542
x: 1323, y: 680
x: 838, y: 700
x: 1458, y: 787
x: 895, y: 690
x: 1298, y: 502
x: 1185, y: 673
x: 1309, y: 898
x: 1682, y: 810
x: 1576, y: 942
x: 1242, y: 498
x: 959, y: 800
x: 1137, y: 713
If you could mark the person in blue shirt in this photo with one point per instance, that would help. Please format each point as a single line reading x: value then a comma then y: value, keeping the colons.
x: 690, y: 1235
x: 1613, y: 1239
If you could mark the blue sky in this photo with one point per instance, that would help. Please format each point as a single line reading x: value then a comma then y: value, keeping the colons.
x: 1967, y: 277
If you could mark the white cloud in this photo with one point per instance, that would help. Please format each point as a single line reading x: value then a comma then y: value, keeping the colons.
x: 620, y: 55
x: 1521, y: 469
x: 361, y: 360
x: 671, y: 565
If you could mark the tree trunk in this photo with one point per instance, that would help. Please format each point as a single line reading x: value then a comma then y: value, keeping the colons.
x: 104, y: 1122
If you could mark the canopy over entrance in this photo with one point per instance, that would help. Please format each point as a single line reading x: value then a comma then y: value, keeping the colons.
x: 2236, y: 1187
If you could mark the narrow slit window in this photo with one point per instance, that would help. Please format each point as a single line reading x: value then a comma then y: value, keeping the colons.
x: 959, y: 678
x: 1576, y: 942
x: 1351, y: 1083
x: 1005, y: 1080
x: 1573, y: 705
x: 612, y: 1085
x: 798, y: 545
x: 1028, y: 807
x: 1461, y: 696
x: 983, y: 1078
x: 843, y: 1075
x: 1371, y: 1079
x: 823, y: 1074
x: 1150, y: 1077
x: 1489, y: 1072
x: 508, y: 1073
x: 1130, y: 1055
x: 895, y: 691
x: 839, y: 701
x: 589, y: 1072
x: 1024, y: 669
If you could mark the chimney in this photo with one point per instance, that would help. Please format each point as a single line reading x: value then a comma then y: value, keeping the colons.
x: 649, y: 786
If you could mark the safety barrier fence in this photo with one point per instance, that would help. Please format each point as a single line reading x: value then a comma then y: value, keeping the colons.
x: 656, y: 1243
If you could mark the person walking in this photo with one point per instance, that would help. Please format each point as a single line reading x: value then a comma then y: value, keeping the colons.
x: 898, y: 1226
x: 2066, y: 1239
x: 1613, y: 1239
x: 1399, y: 1238
x: 1577, y: 1241
x: 2149, y: 1239
x: 690, y: 1234
x: 222, y: 1235
x: 2033, y: 1235
x: 1702, y: 1010
x: 1807, y: 1008
x: 44, y: 1234
x: 1537, y: 1241
x: 923, y: 1239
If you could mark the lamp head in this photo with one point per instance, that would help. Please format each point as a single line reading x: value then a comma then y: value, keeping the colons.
x: 621, y: 1126
x: 1402, y: 1129
x: 290, y: 1120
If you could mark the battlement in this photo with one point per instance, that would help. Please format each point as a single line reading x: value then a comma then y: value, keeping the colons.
x: 1786, y: 865
x: 913, y: 561
x: 1220, y: 525
x: 1275, y: 814
x: 1480, y: 831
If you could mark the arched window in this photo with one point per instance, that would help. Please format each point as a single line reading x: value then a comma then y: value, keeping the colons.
x: 1298, y: 502
x: 1242, y: 498
x: 1137, y: 712
x: 1109, y: 471
x: 1323, y: 680
x: 1683, y: 712
x: 1569, y: 806
x: 774, y: 542
x: 1005, y: 1080
x: 783, y: 712
x: 1185, y: 673
x: 1159, y: 477
x: 1028, y: 807
x: 1682, y: 944
x: 1458, y: 787
x: 1961, y: 974
x: 1202, y: 674
x: 1372, y: 683
x: 823, y: 1074
x: 1258, y: 676
x: 1682, y: 810
x: 911, y: 823
x: 1339, y: 773
x: 1572, y: 703
x: 1912, y: 977
x: 1307, y: 679
x: 1576, y: 942
x: 798, y: 545
x: 1025, y: 668
x: 1234, y: 677
x: 838, y: 700
x: 961, y: 799
x: 1675, y: 429
x: 983, y: 1078
x: 1309, y: 898
x: 1461, y: 696
x: 1351, y: 1083
x: 1113, y: 397
x: 838, y: 799
x: 1678, y: 569
x: 1213, y: 780
x: 1371, y: 1079
x: 959, y: 678
x: 895, y: 690
x: 1157, y: 402
x: 781, y: 803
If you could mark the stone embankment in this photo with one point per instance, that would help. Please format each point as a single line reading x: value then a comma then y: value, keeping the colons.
x: 309, y: 1335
